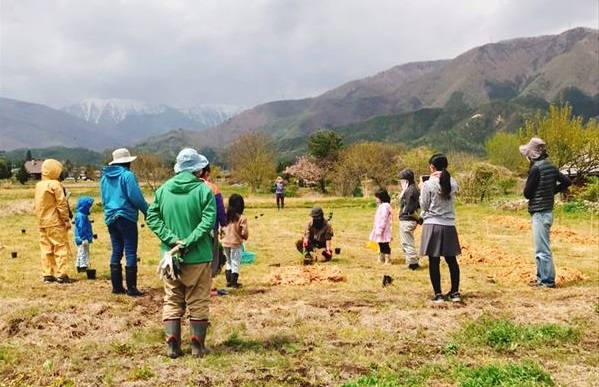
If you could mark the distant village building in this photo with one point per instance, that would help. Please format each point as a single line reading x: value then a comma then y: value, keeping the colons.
x: 34, y: 169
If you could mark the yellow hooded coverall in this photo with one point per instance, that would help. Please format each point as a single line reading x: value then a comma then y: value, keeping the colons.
x: 52, y: 213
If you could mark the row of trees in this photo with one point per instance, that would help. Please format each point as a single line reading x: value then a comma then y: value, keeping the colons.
x: 572, y: 143
x: 328, y: 163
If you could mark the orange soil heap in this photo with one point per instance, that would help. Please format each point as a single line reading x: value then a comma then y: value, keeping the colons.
x: 301, y: 275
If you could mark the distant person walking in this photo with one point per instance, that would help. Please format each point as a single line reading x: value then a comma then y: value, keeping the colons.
x: 123, y: 200
x: 543, y: 182
x: 182, y: 216
x: 236, y: 233
x: 280, y: 193
x: 83, y: 232
x: 381, y: 229
x: 409, y: 217
x: 52, y: 216
x: 439, y: 234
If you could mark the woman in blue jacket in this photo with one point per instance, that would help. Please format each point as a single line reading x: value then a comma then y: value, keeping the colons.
x: 123, y: 200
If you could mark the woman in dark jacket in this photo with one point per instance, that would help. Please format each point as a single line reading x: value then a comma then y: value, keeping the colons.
x: 408, y: 216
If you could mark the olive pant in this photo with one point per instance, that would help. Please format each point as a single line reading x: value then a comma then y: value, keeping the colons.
x: 191, y: 291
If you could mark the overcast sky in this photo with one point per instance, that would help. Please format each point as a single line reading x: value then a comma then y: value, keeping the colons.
x: 186, y: 53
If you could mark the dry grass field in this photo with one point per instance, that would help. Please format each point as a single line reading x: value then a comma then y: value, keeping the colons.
x: 332, y: 324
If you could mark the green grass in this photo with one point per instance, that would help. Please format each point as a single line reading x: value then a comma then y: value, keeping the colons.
x: 526, y: 374
x: 349, y: 333
x: 504, y: 335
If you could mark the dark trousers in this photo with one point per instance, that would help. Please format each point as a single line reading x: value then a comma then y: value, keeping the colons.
x: 312, y: 244
x: 435, y: 273
x: 280, y: 200
x: 123, y: 237
x: 384, y: 248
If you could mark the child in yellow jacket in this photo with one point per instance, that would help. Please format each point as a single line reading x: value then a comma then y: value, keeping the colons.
x: 52, y: 215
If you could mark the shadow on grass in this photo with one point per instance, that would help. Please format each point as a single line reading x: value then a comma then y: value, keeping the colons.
x: 278, y: 343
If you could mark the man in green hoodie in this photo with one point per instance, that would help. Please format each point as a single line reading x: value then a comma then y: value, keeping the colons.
x: 182, y: 215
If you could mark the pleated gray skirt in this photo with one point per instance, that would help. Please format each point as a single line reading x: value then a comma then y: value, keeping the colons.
x: 439, y: 241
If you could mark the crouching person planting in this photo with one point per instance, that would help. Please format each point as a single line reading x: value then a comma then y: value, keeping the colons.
x: 182, y: 215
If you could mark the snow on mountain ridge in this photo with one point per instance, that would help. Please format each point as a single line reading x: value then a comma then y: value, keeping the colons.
x: 116, y: 110
x: 211, y: 115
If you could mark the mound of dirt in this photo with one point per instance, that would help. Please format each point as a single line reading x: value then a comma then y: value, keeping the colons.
x: 556, y: 231
x: 527, y: 273
x: 472, y: 255
x: 301, y: 275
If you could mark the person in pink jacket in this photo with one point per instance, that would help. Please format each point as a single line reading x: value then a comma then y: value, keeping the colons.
x: 381, y: 230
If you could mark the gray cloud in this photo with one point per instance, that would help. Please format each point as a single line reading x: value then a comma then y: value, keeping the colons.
x: 188, y: 52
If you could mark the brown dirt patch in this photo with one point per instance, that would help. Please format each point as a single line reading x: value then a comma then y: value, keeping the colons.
x: 526, y: 273
x: 561, y: 232
x: 302, y: 275
x: 472, y: 255
x: 515, y: 268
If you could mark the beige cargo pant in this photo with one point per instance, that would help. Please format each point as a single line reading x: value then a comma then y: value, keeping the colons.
x: 191, y: 291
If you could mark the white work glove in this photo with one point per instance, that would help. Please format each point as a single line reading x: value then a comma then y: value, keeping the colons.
x: 169, y: 268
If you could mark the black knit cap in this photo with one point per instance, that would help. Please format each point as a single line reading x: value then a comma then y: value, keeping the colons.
x: 316, y: 212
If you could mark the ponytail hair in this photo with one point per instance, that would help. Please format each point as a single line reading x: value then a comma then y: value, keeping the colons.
x: 439, y: 161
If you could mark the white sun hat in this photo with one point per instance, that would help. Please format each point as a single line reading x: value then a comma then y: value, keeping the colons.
x: 121, y: 156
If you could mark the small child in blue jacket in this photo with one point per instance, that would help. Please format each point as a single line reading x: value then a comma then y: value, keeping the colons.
x: 83, y: 232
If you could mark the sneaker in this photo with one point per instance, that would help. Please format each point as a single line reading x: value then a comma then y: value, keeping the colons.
x: 541, y: 285
x: 48, y: 279
x: 413, y: 266
x: 65, y: 280
x: 454, y: 297
x: 438, y: 298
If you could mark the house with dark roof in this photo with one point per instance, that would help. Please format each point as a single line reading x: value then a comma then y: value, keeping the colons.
x: 34, y: 169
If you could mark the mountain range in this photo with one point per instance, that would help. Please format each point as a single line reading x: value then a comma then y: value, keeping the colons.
x: 98, y: 124
x: 536, y: 70
x: 457, y: 102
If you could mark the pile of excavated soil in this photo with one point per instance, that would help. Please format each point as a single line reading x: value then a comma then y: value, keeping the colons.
x: 514, y: 268
x: 526, y: 273
x: 302, y: 275
x: 556, y: 231
x: 472, y: 255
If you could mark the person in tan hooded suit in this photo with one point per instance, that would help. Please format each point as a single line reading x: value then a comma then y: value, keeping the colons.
x: 52, y: 215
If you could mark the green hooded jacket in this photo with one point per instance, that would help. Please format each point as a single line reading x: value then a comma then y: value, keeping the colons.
x: 184, y: 209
